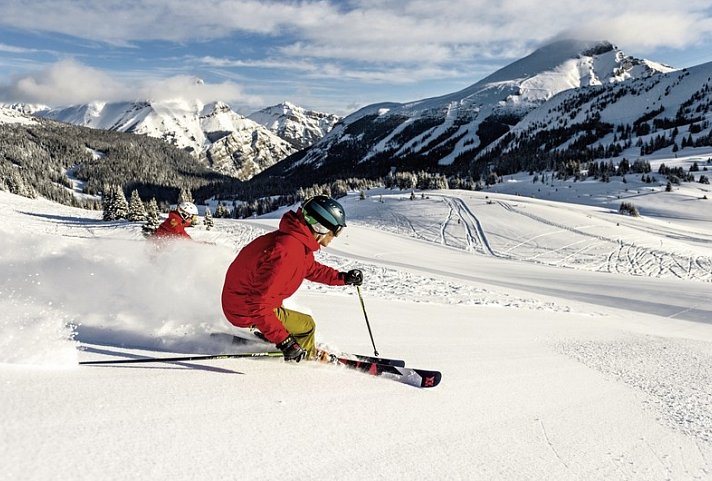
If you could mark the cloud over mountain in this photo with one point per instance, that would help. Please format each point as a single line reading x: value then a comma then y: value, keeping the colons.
x: 71, y: 82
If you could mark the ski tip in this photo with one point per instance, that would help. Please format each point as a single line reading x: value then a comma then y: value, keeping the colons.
x: 430, y: 378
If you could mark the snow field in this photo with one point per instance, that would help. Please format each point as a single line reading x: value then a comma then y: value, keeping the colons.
x: 552, y: 368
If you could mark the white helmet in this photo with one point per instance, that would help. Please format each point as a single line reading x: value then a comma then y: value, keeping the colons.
x: 187, y: 210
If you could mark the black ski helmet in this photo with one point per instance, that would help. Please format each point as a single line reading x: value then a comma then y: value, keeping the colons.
x: 322, y: 212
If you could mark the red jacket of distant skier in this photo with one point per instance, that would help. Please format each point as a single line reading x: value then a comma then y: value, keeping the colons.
x: 270, y: 269
x: 172, y: 227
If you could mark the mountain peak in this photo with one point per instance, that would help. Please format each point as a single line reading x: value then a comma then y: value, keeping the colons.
x: 549, y: 57
x: 599, y: 49
x: 299, y: 126
x: 557, y: 66
x: 289, y: 105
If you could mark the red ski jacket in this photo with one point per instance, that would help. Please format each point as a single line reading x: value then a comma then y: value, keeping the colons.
x: 268, y: 270
x: 172, y: 227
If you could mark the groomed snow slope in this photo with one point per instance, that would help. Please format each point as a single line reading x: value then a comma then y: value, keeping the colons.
x: 555, y: 366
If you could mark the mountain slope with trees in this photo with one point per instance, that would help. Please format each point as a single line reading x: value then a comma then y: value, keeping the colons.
x: 442, y: 134
x: 225, y: 141
x: 619, y: 124
x: 48, y: 158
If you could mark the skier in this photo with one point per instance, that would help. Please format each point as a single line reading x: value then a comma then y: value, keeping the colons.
x: 178, y: 219
x: 272, y: 267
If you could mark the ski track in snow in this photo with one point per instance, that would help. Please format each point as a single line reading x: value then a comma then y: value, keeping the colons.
x: 627, y: 258
x: 460, y: 227
x: 474, y: 233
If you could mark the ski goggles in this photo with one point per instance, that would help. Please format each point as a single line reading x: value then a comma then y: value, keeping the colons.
x: 320, y: 229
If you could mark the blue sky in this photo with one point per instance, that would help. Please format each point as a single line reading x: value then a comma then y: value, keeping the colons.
x: 327, y: 55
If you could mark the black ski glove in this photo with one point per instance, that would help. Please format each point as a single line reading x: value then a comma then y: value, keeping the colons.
x: 291, y: 349
x: 352, y: 278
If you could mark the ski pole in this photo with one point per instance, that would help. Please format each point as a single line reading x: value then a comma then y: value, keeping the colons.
x: 187, y: 358
x: 360, y: 297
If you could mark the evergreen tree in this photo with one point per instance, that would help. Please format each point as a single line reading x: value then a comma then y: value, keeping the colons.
x: 137, y: 211
x: 114, y: 203
x: 121, y: 207
x: 185, y: 196
x: 208, y: 219
x: 15, y: 184
x: 623, y: 167
x: 152, y: 220
x: 221, y: 211
x: 628, y: 208
x: 106, y: 203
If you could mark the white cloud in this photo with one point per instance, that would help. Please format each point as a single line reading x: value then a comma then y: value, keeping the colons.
x: 391, y: 42
x: 122, y: 22
x: 184, y: 86
x: 441, y: 31
x: 646, y: 30
x: 12, y: 49
x: 370, y: 30
x: 66, y: 81
x: 337, y: 71
x: 69, y: 82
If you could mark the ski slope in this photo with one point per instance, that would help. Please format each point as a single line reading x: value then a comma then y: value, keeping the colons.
x: 575, y: 343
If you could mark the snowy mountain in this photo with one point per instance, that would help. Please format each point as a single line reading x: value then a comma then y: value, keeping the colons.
x: 300, y: 127
x: 651, y: 116
x: 436, y: 132
x: 11, y: 115
x: 228, y: 142
x: 29, y: 109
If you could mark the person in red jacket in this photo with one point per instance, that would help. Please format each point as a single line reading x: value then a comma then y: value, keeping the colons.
x: 272, y: 267
x: 177, y: 221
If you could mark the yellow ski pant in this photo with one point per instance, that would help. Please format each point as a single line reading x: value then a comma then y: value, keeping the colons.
x: 301, y: 326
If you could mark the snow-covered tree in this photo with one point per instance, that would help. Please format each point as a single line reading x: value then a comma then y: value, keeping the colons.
x: 15, y: 184
x: 152, y: 220
x: 208, y: 219
x: 122, y: 205
x: 114, y: 203
x: 221, y: 211
x: 628, y: 208
x: 185, y: 196
x: 137, y: 211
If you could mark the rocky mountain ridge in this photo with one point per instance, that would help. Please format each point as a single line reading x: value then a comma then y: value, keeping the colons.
x: 300, y: 127
x: 224, y: 140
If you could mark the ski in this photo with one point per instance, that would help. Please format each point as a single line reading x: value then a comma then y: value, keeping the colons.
x: 326, y: 355
x: 414, y: 377
x: 185, y: 358
x: 258, y: 339
x: 380, y: 360
x: 406, y: 375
